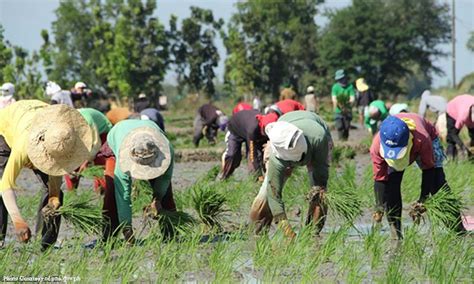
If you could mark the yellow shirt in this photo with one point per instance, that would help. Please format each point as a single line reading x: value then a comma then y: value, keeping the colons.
x: 15, y: 121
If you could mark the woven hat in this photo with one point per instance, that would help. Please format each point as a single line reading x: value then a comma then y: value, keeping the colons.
x: 144, y: 153
x: 60, y: 140
x: 361, y: 85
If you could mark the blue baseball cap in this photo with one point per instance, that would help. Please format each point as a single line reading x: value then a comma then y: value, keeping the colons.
x: 394, y: 135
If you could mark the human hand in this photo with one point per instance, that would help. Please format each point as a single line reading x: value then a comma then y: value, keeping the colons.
x: 285, y: 226
x: 22, y: 231
x: 416, y: 212
x: 51, y: 208
x: 152, y: 210
x: 128, y: 234
x: 377, y: 216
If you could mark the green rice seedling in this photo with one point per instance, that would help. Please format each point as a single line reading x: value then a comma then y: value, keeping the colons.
x: 142, y: 195
x: 341, y: 197
x: 80, y: 213
x: 209, y: 206
x: 444, y: 208
x: 93, y: 172
x: 375, y: 244
x: 174, y: 223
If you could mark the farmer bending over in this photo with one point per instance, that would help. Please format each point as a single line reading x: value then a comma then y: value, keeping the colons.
x: 377, y: 111
x: 460, y: 112
x: 298, y: 138
x: 437, y: 105
x: 403, y: 139
x: 285, y: 106
x: 100, y: 126
x: 139, y: 150
x: 208, y: 120
x: 245, y: 126
x: 50, y: 140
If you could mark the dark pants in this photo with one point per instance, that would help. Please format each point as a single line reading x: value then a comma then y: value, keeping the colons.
x: 342, y: 123
x: 233, y: 155
x: 201, y: 129
x: 453, y: 138
x: 49, y: 230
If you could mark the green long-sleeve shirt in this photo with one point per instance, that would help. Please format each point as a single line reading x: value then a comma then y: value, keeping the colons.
x: 318, y: 138
x: 122, y: 181
x: 371, y: 123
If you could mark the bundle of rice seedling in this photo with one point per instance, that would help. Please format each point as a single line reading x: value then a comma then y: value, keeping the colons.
x: 343, y: 202
x: 93, y: 171
x: 209, y: 205
x: 175, y: 222
x: 211, y: 175
x: 444, y: 208
x: 81, y: 214
x: 341, y: 197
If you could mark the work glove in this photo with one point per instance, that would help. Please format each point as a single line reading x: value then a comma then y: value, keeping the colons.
x: 285, y: 226
x: 416, y: 212
x: 22, y: 231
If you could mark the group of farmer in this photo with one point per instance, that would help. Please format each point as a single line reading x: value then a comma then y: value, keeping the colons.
x: 60, y: 139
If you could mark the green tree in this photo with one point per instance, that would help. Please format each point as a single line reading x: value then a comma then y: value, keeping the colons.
x: 272, y: 43
x: 193, y: 50
x: 113, y: 45
x: 6, y: 55
x: 382, y: 40
x: 470, y: 42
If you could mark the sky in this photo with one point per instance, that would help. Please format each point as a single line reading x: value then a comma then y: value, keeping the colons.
x: 24, y: 19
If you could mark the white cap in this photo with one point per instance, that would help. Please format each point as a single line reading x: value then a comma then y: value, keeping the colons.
x: 52, y: 88
x: 286, y: 140
x: 8, y: 89
x: 310, y: 90
x: 142, y: 96
x: 79, y: 85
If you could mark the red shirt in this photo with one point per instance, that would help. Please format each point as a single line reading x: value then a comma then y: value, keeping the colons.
x: 288, y: 105
x: 241, y: 106
x: 423, y: 137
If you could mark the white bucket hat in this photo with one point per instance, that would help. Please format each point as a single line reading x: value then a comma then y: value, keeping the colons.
x: 60, y: 140
x: 52, y: 88
x: 286, y: 140
x: 7, y: 89
x: 145, y: 153
x: 80, y: 85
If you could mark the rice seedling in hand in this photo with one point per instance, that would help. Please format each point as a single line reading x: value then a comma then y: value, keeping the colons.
x: 93, y: 172
x: 80, y: 213
x: 445, y: 208
x: 174, y: 223
x: 209, y: 206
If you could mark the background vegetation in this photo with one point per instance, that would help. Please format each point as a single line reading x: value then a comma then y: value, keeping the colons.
x: 120, y: 47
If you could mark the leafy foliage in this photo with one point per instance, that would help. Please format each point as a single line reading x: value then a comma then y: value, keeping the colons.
x: 193, y: 50
x: 381, y: 41
x: 269, y: 44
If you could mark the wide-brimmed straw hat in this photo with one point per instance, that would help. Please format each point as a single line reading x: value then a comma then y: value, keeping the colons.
x: 145, y: 153
x: 60, y: 140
